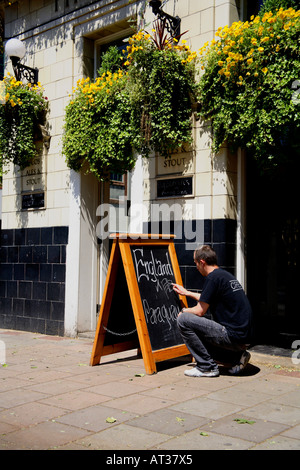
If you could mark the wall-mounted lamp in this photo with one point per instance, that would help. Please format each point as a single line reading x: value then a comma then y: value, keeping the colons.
x: 173, y: 23
x: 15, y: 49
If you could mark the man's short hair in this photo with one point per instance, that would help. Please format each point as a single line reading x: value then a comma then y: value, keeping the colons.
x: 206, y: 253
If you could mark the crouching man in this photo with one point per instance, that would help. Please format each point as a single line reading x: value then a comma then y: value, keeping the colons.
x: 224, y: 338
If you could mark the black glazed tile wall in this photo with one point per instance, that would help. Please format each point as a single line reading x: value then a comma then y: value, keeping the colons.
x: 33, y: 268
x: 32, y: 279
x: 220, y: 234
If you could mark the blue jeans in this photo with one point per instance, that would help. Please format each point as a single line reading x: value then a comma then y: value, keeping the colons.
x: 208, y: 341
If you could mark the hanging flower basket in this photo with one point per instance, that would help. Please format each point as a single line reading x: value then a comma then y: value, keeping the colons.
x: 143, y: 105
x: 23, y: 112
x: 248, y: 88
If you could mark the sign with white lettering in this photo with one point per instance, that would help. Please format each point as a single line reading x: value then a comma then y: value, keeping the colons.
x: 175, y: 187
x: 155, y: 276
x: 33, y: 200
x: 149, y: 267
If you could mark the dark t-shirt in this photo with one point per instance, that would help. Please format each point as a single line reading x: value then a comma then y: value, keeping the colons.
x: 228, y: 304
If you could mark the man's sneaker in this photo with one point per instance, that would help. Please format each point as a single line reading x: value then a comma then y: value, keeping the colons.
x: 198, y: 373
x: 245, y: 358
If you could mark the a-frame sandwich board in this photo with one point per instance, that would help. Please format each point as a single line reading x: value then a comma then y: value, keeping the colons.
x: 148, y: 265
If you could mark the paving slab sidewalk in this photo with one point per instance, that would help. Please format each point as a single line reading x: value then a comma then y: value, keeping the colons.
x: 50, y: 398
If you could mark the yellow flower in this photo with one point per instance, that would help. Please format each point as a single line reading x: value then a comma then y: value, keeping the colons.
x: 260, y: 49
x: 254, y: 41
x: 249, y: 61
x: 266, y: 16
x: 264, y: 70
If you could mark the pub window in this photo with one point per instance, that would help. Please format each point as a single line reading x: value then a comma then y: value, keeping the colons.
x: 120, y: 44
x: 118, y: 187
x: 118, y: 39
x: 118, y: 197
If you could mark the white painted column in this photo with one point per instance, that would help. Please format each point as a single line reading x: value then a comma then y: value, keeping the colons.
x: 73, y: 257
x: 137, y: 208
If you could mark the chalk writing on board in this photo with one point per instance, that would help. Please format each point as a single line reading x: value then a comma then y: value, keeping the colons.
x: 153, y: 270
x: 155, y: 276
x: 164, y: 314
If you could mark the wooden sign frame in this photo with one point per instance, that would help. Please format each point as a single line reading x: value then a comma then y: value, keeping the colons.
x: 121, y: 252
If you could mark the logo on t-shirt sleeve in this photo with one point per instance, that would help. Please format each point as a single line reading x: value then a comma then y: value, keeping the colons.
x: 235, y: 285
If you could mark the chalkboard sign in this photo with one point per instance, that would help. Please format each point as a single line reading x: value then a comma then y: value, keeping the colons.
x: 139, y: 307
x: 121, y: 323
x: 161, y: 305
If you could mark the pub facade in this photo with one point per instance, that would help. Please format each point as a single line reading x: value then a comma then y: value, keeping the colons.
x: 56, y: 222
